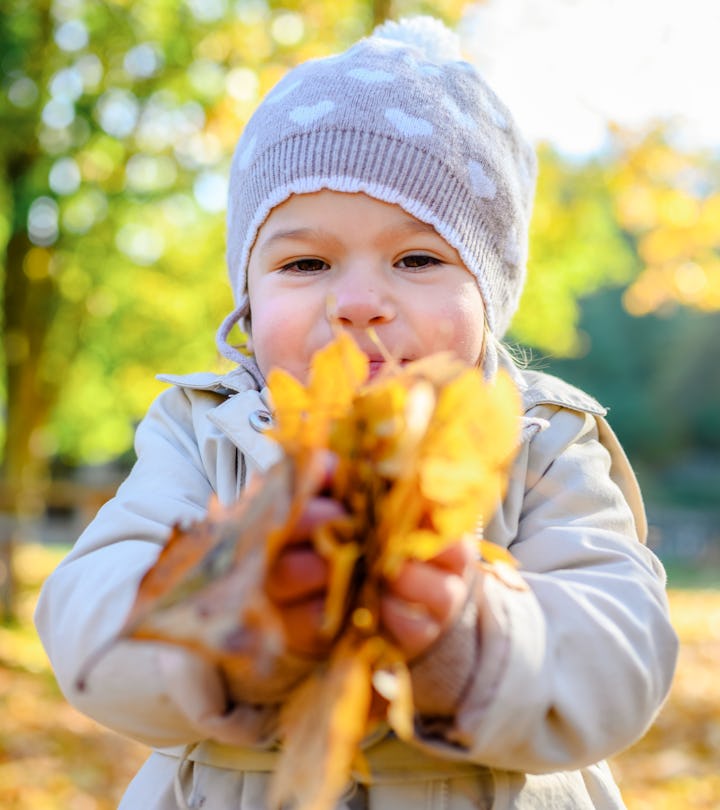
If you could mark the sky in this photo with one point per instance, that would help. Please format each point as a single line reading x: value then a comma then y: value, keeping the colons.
x: 565, y: 67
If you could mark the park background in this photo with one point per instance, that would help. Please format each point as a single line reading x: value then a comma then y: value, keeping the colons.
x: 118, y: 122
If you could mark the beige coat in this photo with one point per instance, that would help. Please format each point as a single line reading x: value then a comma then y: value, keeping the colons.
x: 549, y: 680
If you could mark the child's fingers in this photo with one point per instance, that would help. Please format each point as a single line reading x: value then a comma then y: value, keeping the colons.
x: 317, y: 511
x: 298, y: 573
x: 303, y: 622
x: 320, y: 470
x: 420, y: 603
x: 409, y: 624
x: 439, y: 591
x: 457, y: 557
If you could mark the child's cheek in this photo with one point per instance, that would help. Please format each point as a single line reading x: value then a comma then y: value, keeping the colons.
x: 280, y: 335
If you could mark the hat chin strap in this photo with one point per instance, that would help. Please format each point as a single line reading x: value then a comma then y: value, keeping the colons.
x: 490, y: 357
x: 233, y: 353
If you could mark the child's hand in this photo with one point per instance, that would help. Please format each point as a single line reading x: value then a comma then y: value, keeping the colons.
x: 298, y: 580
x: 197, y: 690
x: 418, y: 606
x: 427, y: 597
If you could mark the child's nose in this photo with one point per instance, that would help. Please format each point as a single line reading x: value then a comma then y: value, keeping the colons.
x: 360, y: 303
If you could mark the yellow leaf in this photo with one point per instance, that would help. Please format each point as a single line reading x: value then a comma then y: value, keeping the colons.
x: 392, y: 682
x: 290, y: 403
x: 422, y: 455
x: 493, y: 553
x: 322, y: 724
x: 304, y: 414
x: 341, y: 557
x: 336, y: 373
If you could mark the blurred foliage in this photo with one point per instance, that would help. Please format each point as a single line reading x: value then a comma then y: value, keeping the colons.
x: 576, y: 248
x: 643, y: 215
x: 668, y: 201
x: 623, y: 299
x: 675, y: 765
x: 119, y: 120
x: 657, y: 376
x: 53, y: 758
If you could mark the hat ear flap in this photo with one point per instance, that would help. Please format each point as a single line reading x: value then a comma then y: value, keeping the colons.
x: 227, y: 350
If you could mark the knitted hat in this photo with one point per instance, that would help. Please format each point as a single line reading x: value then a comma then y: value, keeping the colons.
x: 401, y: 117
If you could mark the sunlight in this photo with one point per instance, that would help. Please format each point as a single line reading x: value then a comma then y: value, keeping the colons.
x: 567, y: 67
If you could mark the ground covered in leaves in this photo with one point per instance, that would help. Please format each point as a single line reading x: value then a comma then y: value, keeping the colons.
x: 52, y: 758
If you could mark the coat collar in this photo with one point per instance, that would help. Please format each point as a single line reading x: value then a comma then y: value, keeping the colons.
x: 244, y: 414
x: 235, y: 381
x: 536, y: 387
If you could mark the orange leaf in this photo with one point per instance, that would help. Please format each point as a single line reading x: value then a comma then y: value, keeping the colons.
x: 322, y: 725
x: 205, y: 591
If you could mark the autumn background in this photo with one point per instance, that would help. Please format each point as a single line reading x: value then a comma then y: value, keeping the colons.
x: 118, y: 121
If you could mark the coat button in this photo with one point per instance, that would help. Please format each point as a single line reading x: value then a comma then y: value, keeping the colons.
x: 261, y: 420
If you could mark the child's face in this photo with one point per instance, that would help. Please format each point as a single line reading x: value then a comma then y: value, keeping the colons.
x: 337, y: 258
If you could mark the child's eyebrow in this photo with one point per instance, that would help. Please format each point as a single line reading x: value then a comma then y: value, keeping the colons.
x: 414, y: 225
x: 407, y: 226
x: 293, y: 234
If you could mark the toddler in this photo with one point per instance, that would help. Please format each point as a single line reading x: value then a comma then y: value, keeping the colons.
x: 384, y: 187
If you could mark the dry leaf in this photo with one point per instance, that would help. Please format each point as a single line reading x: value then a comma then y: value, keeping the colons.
x: 423, y: 453
x: 322, y: 724
x: 205, y: 591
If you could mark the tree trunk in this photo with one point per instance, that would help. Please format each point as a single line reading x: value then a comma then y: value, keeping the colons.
x: 29, y: 296
x: 381, y: 11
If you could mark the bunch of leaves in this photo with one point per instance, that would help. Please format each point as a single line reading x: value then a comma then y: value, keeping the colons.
x: 423, y: 452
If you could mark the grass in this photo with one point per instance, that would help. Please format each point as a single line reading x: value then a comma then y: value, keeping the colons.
x: 675, y: 766
x: 53, y: 758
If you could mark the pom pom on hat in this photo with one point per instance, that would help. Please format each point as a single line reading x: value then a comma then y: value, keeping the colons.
x: 437, y: 42
x: 401, y: 117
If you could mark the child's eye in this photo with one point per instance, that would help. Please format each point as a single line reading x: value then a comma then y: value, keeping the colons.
x: 305, y: 266
x: 418, y: 261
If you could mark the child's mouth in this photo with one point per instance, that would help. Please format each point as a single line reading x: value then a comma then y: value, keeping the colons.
x: 375, y: 367
x: 377, y: 364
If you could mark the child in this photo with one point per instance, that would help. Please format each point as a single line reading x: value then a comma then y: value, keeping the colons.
x: 385, y: 187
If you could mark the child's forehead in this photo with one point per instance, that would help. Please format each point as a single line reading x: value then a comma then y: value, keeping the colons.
x: 356, y: 210
x: 334, y: 200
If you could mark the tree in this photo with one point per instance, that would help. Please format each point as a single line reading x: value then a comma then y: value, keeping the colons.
x: 576, y: 248
x: 643, y: 215
x: 119, y: 119
x: 668, y: 204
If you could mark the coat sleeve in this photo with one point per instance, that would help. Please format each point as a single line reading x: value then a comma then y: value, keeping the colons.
x: 84, y: 602
x: 575, y: 658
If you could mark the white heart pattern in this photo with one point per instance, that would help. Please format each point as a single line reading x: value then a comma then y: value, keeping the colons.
x: 243, y: 159
x: 408, y: 124
x: 430, y: 70
x: 482, y: 183
x: 279, y: 94
x: 512, y: 253
x: 461, y: 117
x: 310, y: 114
x: 497, y: 117
x: 371, y: 76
